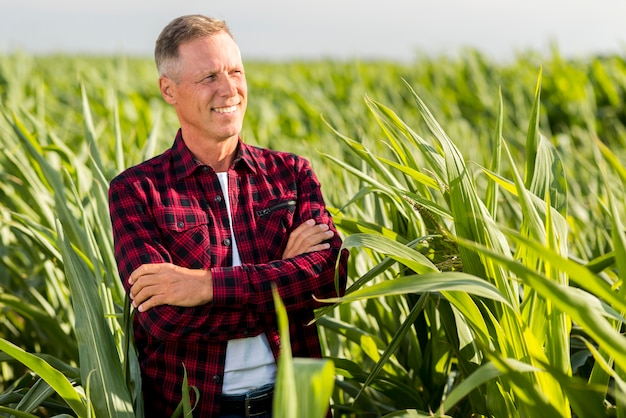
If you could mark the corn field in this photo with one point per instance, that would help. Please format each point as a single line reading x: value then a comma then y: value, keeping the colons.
x: 482, y: 204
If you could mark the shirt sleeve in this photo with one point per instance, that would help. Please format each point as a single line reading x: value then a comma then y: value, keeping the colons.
x: 299, y: 280
x: 137, y: 242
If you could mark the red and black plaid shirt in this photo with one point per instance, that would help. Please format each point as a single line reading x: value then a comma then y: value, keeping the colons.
x: 171, y: 209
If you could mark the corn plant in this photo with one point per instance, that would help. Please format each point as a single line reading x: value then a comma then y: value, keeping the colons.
x: 481, y: 310
x: 69, y: 225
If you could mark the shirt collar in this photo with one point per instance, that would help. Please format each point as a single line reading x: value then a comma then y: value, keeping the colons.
x: 185, y: 164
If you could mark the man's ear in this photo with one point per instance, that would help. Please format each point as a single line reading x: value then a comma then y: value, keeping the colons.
x: 167, y: 87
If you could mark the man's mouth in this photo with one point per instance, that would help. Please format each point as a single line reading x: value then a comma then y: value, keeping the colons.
x: 228, y: 109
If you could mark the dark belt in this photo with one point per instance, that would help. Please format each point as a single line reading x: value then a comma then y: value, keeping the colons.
x: 251, y: 404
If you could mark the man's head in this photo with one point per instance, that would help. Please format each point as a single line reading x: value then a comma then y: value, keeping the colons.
x: 201, y: 74
x: 179, y: 31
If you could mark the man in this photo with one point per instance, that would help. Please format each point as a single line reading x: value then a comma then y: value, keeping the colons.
x: 203, y: 230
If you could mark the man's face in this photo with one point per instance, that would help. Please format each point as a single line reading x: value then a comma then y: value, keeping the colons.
x: 211, y: 95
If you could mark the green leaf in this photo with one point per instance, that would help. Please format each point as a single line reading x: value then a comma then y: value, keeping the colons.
x: 412, y: 259
x: 427, y: 282
x: 53, y: 377
x: 303, y: 386
x: 97, y: 349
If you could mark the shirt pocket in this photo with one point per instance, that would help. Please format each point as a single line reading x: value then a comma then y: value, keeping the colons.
x: 274, y: 221
x: 185, y: 234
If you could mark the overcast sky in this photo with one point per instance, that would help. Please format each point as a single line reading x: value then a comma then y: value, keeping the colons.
x: 278, y: 29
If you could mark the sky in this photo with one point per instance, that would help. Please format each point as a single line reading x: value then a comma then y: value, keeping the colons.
x: 399, y: 30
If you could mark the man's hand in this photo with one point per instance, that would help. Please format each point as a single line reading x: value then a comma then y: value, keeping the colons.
x: 306, y: 238
x: 167, y: 284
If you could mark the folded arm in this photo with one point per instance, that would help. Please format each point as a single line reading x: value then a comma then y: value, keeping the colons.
x: 175, y: 301
x: 158, y: 284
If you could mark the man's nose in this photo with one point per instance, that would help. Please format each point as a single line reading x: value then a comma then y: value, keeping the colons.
x: 228, y: 86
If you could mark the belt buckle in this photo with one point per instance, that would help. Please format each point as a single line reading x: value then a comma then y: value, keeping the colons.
x: 248, y: 404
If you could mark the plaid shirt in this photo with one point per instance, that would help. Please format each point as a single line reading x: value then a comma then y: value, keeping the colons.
x: 171, y: 209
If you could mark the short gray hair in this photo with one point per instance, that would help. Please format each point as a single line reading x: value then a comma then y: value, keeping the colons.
x: 177, y: 32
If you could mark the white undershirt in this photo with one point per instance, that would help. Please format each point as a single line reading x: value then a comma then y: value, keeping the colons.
x: 249, y: 361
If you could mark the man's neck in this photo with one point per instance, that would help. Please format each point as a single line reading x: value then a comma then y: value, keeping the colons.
x: 218, y: 154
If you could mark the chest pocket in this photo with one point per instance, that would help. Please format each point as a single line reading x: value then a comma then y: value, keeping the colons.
x: 274, y: 221
x: 185, y: 235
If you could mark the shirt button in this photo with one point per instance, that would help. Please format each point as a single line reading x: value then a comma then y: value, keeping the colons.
x: 216, y: 378
x: 205, y: 169
x: 218, y: 198
x: 181, y: 224
x: 226, y: 242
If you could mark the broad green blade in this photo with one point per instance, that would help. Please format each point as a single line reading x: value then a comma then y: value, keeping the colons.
x: 303, y: 386
x: 285, y: 403
x: 532, y: 137
x: 411, y: 258
x: 52, y: 376
x: 427, y: 282
x: 314, y: 383
x: 97, y: 349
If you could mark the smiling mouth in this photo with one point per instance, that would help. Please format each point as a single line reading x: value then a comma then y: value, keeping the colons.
x: 229, y: 109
